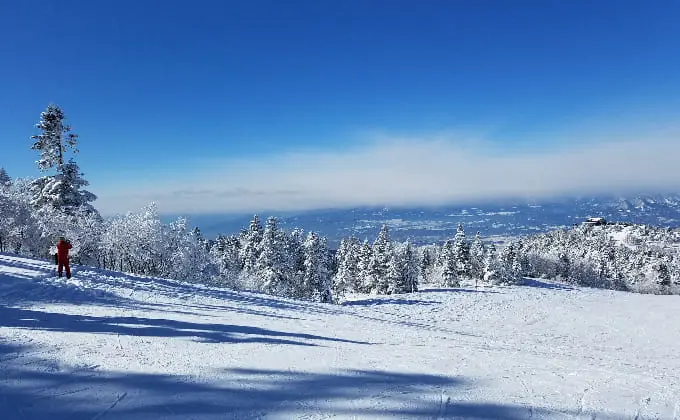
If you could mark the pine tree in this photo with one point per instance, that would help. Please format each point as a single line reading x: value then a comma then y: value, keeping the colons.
x: 53, y: 139
x: 294, y: 259
x: 63, y: 191
x: 348, y: 277
x: 403, y: 270
x: 426, y: 262
x: 492, y: 266
x: 250, y: 246
x: 270, y: 268
x: 396, y: 283
x: 225, y: 252
x: 510, y: 264
x: 449, y: 268
x: 477, y: 258
x: 379, y: 263
x: 461, y: 253
x: 411, y: 268
x: 663, y: 277
x: 317, y: 279
x: 365, y: 255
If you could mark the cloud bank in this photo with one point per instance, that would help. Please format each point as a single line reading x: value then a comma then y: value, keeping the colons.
x: 409, y: 171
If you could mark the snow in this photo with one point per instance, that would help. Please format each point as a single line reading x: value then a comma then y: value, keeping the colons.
x: 108, y: 345
x: 620, y: 236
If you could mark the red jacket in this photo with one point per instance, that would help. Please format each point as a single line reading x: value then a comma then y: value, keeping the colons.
x: 62, y: 251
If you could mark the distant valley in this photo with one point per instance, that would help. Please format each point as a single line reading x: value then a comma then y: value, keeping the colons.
x: 424, y: 225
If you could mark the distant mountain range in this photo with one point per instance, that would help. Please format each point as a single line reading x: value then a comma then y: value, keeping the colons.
x: 434, y: 224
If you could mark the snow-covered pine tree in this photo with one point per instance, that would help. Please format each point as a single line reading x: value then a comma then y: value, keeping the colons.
x: 250, y: 245
x: 396, y: 283
x: 426, y: 263
x: 477, y: 258
x: 347, y: 278
x: 340, y: 283
x: 317, y: 279
x: 403, y: 270
x: 54, y: 138
x: 225, y: 253
x: 411, y: 267
x: 663, y: 276
x: 63, y: 191
x: 510, y: 272
x: 270, y: 268
x: 294, y: 259
x: 449, y: 268
x: 365, y: 255
x: 492, y: 266
x: 380, y: 261
x: 461, y: 253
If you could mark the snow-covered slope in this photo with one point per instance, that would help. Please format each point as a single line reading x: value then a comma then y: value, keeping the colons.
x: 107, y: 345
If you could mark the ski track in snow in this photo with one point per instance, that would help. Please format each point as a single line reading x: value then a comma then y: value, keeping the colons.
x: 108, y: 345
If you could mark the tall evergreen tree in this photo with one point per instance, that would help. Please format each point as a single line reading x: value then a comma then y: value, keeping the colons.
x: 426, y: 262
x: 403, y: 270
x: 348, y: 277
x: 294, y: 258
x: 63, y: 191
x: 380, y: 261
x: 250, y: 246
x: 317, y: 279
x: 411, y: 267
x: 461, y: 253
x: 54, y: 138
x: 449, y: 268
x: 270, y: 267
x: 492, y: 266
x: 477, y: 257
x: 225, y: 252
x: 365, y: 255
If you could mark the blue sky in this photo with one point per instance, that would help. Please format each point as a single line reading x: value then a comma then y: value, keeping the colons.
x: 238, y: 106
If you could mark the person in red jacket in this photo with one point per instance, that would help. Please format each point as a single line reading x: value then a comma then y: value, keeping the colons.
x: 62, y: 256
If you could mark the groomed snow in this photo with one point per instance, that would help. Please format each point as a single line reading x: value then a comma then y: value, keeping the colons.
x: 107, y: 345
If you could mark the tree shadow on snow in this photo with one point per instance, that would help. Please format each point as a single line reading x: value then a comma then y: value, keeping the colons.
x: 545, y: 285
x: 32, y: 388
x: 405, y: 301
x: 152, y: 327
x: 457, y: 290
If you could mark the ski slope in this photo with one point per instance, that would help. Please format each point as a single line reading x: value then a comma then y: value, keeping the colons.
x: 107, y: 345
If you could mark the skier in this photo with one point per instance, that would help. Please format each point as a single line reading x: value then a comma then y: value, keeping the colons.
x: 62, y: 250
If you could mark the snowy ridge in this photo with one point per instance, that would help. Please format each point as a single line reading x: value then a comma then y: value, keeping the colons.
x: 108, y: 345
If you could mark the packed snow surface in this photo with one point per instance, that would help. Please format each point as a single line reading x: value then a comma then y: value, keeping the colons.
x: 107, y: 345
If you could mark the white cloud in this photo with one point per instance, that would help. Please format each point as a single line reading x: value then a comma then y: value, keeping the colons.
x: 411, y: 171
